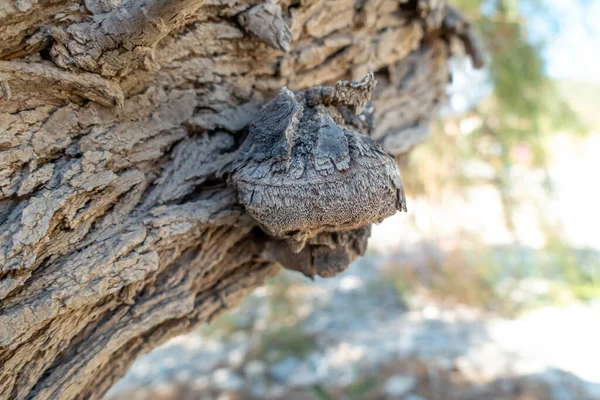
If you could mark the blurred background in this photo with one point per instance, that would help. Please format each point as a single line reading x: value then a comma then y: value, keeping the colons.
x: 488, y: 288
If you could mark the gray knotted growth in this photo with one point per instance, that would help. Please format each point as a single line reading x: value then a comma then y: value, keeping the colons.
x: 308, y: 177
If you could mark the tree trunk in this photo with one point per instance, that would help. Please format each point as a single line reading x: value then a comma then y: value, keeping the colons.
x: 125, y: 212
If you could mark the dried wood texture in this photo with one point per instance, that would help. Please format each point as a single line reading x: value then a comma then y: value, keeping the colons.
x: 120, y: 123
x: 304, y: 170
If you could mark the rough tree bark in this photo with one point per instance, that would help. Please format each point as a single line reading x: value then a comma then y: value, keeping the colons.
x: 142, y: 189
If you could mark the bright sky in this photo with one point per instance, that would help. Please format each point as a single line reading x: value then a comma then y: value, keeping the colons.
x: 572, y: 48
x: 573, y: 53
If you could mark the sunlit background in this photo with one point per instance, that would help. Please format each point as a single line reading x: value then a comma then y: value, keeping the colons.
x: 488, y: 288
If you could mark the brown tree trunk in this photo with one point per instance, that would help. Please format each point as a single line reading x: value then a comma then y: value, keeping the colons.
x: 120, y: 123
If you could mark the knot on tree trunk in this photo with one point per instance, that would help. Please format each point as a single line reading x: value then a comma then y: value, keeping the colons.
x: 305, y: 173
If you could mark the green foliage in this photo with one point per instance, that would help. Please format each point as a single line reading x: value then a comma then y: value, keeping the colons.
x: 468, y: 275
x: 286, y: 341
x: 519, y: 106
x: 284, y: 336
x: 359, y: 389
x: 282, y: 304
x: 398, y: 285
x: 224, y: 325
x: 506, y: 280
x: 579, y: 271
x: 281, y: 334
x: 320, y: 393
x: 518, y: 109
x: 524, y: 102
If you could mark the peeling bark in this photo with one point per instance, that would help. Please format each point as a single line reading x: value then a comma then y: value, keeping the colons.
x: 121, y: 123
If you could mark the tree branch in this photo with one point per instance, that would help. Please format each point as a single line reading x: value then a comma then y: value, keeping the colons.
x: 121, y: 227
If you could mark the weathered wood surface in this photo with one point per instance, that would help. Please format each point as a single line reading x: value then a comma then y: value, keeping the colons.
x: 120, y: 124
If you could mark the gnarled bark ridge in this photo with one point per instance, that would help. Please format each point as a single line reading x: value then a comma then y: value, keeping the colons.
x: 140, y: 191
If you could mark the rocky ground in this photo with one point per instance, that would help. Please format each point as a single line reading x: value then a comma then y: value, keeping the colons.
x: 357, y: 337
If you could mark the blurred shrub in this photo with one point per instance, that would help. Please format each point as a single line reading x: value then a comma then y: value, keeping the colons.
x: 507, y: 115
x: 503, y: 127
